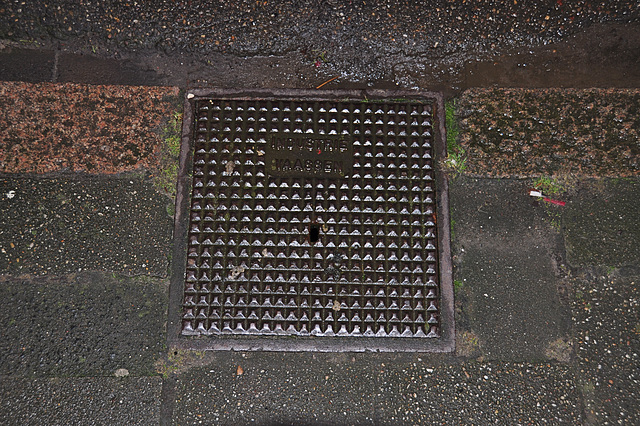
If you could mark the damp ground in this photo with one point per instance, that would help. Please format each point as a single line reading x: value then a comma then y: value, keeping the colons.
x: 545, y: 295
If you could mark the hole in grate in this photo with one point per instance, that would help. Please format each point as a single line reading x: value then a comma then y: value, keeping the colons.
x: 314, y: 234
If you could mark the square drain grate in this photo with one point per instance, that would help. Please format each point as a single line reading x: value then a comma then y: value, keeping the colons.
x: 314, y: 223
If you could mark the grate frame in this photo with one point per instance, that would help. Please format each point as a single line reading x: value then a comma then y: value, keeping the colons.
x: 445, y: 342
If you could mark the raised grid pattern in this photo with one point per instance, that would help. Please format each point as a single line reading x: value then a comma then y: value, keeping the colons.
x: 251, y: 267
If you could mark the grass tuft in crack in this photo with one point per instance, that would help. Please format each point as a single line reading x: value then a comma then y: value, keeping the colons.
x: 457, y: 286
x: 548, y: 185
x: 456, y: 161
x: 552, y: 186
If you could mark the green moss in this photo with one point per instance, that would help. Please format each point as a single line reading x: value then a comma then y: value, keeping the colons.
x: 165, y: 178
x: 35, y: 43
x: 453, y: 232
x: 471, y: 338
x: 556, y: 223
x: 178, y: 360
x: 550, y: 186
x: 456, y: 161
x: 467, y: 344
x: 172, y: 133
x: 320, y: 55
x: 452, y: 125
x: 171, y: 209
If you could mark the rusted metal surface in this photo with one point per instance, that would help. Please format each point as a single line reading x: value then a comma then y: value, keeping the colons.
x: 314, y: 219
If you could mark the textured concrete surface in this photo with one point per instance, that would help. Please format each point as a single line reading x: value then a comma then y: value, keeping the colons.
x: 64, y: 224
x: 513, y: 305
x: 372, y: 389
x: 606, y: 312
x: 80, y: 401
x: 505, y: 252
x: 602, y: 223
x: 278, y: 389
x: 478, y: 393
x: 87, y: 324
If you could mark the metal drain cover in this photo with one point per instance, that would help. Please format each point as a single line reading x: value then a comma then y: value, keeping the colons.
x: 316, y: 221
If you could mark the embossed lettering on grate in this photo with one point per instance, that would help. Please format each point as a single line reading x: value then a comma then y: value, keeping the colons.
x: 312, y: 218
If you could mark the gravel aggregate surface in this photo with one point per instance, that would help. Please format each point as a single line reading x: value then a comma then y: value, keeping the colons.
x: 526, y: 132
x: 80, y: 401
x: 80, y: 128
x: 606, y: 312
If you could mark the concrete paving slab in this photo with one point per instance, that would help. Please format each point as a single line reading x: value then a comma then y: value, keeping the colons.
x: 79, y: 325
x: 277, y: 389
x: 494, y: 211
x: 64, y: 224
x: 602, y: 224
x: 477, y: 393
x: 507, y: 258
x: 606, y: 312
x: 80, y: 401
x: 513, y: 304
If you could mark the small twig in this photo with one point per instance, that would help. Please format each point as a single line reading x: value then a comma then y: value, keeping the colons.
x: 328, y: 81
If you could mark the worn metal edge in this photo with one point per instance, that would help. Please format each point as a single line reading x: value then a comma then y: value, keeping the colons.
x: 444, y: 343
x: 313, y: 95
x: 179, y: 254
x: 447, y: 317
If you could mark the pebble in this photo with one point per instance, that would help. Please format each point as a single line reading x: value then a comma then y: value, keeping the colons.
x: 121, y: 372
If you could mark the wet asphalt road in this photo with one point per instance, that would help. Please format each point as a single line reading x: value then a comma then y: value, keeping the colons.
x: 440, y: 44
x: 375, y: 29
